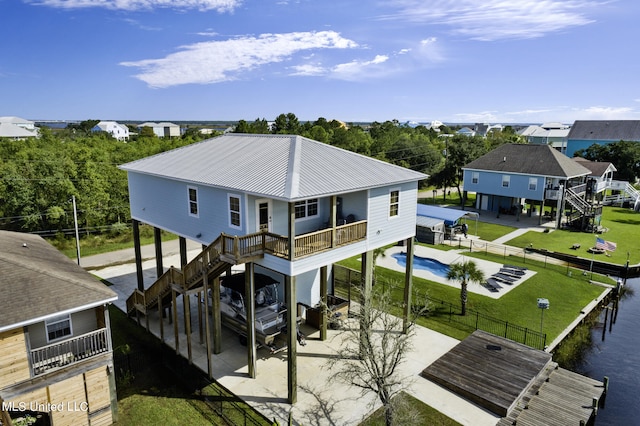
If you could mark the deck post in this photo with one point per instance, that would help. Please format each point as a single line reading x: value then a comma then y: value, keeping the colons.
x: 157, y: 241
x: 187, y: 324
x: 160, y: 312
x: 175, y: 321
x: 366, y: 271
x: 292, y: 341
x: 408, y: 286
x: 205, y: 287
x: 323, y: 304
x: 215, y: 312
x: 249, y: 296
x: 333, y: 219
x: 136, y: 247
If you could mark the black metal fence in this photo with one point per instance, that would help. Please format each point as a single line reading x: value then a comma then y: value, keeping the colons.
x: 345, y: 278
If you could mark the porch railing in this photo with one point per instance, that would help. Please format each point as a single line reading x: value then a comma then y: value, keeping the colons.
x: 69, y: 351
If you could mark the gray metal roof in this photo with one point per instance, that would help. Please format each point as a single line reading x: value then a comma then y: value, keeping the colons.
x: 527, y: 159
x: 37, y: 281
x: 285, y: 167
x: 606, y: 130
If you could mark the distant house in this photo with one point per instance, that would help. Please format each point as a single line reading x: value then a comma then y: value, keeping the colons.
x: 515, y: 174
x: 163, y: 129
x: 585, y: 133
x: 466, y: 131
x: 282, y: 205
x: 55, y: 341
x: 115, y: 129
x: 554, y: 134
x: 17, y: 128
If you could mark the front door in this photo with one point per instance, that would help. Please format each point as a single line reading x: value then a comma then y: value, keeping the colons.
x: 263, y: 215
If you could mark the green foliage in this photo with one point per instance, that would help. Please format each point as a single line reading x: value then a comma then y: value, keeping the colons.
x: 624, y: 155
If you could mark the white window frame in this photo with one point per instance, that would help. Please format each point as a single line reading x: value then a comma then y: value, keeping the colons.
x: 506, y: 181
x: 303, y: 207
x: 394, y: 203
x: 231, y: 212
x: 475, y: 177
x: 58, y: 320
x: 192, y: 203
x: 533, y: 184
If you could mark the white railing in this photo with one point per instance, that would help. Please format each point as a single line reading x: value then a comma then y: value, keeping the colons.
x: 69, y: 351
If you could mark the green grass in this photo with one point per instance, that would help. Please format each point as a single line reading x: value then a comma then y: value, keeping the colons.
x: 623, y: 230
x: 426, y: 414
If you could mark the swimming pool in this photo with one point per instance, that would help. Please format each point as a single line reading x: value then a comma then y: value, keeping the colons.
x: 423, y: 263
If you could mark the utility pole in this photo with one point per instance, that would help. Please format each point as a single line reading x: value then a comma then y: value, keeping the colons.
x: 75, y: 221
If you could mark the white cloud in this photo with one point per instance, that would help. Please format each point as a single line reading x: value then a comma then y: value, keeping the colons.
x: 309, y: 70
x: 477, y: 117
x: 218, y: 61
x: 607, y: 113
x: 218, y: 5
x: 488, y: 20
x: 355, y: 69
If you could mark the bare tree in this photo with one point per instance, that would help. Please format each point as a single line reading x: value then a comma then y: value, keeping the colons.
x: 371, y: 354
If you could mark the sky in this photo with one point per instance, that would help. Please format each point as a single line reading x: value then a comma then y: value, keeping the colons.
x: 456, y: 61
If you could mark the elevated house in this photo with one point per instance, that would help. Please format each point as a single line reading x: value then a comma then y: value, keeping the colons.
x: 55, y: 342
x: 115, y: 129
x: 284, y: 206
x: 585, y: 133
x: 554, y: 134
x: 513, y: 175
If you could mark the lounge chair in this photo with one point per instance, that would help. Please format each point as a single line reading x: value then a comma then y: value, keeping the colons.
x: 492, y: 283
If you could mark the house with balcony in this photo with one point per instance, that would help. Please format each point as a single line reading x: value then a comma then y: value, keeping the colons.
x: 512, y: 176
x: 55, y: 341
x: 280, y: 205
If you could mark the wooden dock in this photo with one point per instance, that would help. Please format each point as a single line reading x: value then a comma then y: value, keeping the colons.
x: 521, y: 384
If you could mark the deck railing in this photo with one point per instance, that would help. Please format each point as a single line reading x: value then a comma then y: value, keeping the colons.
x: 69, y: 351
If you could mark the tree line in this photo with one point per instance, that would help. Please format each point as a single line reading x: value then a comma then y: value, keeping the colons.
x: 39, y: 177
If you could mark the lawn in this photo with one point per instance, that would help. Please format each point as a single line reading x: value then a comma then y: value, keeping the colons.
x: 424, y: 414
x: 567, y: 297
x: 623, y: 230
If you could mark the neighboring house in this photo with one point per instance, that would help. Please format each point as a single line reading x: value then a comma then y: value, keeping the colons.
x: 601, y: 180
x: 554, y: 134
x: 115, y: 129
x: 585, y: 133
x: 55, y: 340
x: 515, y: 174
x: 283, y: 205
x: 163, y: 129
x: 466, y: 131
x: 17, y: 128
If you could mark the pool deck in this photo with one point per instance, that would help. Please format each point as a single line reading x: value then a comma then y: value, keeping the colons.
x: 449, y: 257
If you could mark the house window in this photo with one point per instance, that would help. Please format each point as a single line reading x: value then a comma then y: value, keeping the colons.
x: 533, y: 184
x: 306, y: 208
x: 58, y: 327
x: 475, y: 177
x: 234, y: 211
x: 394, y: 203
x: 505, y: 181
x: 193, y: 201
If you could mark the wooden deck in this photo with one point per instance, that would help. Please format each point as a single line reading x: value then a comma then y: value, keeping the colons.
x: 517, y: 382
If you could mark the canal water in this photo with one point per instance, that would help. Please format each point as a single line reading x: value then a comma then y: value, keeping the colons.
x: 618, y: 357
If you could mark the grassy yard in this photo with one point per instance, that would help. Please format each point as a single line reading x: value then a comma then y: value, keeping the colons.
x: 423, y: 414
x: 623, y: 230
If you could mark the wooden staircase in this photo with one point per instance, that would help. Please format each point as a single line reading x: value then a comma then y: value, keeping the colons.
x: 214, y: 260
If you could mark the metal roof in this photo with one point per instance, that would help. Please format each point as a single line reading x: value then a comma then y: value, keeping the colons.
x: 529, y: 159
x: 606, y: 130
x: 286, y: 167
x: 37, y: 282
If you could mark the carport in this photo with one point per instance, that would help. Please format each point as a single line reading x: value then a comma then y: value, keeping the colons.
x: 451, y: 217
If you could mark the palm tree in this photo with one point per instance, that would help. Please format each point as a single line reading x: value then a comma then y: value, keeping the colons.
x: 465, y: 272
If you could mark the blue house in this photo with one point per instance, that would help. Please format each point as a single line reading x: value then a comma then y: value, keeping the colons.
x: 585, y: 133
x: 514, y: 175
x: 284, y: 206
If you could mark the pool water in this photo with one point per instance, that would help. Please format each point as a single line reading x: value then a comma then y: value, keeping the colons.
x: 423, y: 263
